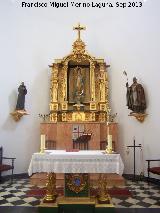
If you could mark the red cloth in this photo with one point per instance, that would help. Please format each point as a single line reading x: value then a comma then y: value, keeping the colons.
x: 4, y: 167
x: 155, y: 170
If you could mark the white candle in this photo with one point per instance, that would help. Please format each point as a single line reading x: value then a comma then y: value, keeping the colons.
x: 109, y: 141
x: 43, y: 141
x: 107, y: 128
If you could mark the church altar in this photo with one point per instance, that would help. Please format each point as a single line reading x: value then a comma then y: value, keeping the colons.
x: 76, y: 166
x: 79, y: 107
x: 86, y: 161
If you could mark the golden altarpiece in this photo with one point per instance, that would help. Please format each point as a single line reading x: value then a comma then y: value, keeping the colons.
x: 79, y: 95
x: 79, y: 87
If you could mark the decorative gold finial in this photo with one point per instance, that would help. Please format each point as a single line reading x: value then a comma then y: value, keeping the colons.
x: 79, y: 28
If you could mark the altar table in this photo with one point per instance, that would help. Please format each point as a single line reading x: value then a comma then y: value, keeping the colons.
x: 86, y: 161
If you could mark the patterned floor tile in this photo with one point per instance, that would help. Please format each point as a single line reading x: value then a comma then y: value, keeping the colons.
x: 12, y: 199
x: 4, y: 193
x: 138, y: 190
x: 7, y: 204
x: 126, y: 204
x: 116, y: 201
x: 154, y: 206
x: 19, y: 194
x: 156, y: 196
x: 142, y: 195
x: 158, y: 203
x: 18, y: 202
x: 2, y: 198
x: 35, y: 203
x: 143, y: 204
x: 25, y: 189
x: 26, y: 204
x: 138, y: 198
x: 132, y: 200
x: 30, y: 199
x: 4, y: 201
x: 149, y: 200
x: 137, y: 206
x: 119, y: 206
x: 148, y: 193
x: 8, y: 196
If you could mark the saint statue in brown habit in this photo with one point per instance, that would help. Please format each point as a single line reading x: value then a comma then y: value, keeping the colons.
x: 22, y: 91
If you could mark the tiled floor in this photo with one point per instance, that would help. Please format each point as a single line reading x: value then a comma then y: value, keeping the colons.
x: 143, y: 195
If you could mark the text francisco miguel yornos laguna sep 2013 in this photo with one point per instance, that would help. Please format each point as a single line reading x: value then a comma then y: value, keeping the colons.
x: 76, y: 4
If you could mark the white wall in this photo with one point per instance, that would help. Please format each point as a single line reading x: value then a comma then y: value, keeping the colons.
x: 30, y: 40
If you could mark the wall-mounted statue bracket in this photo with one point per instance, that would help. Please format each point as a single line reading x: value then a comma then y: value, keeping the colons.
x: 139, y: 116
x: 18, y: 114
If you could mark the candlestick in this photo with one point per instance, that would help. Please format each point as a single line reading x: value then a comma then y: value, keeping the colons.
x: 42, y: 148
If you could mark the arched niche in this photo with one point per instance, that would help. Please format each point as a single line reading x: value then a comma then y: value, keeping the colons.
x: 78, y: 81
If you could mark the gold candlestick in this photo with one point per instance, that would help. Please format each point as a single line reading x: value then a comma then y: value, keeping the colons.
x: 108, y: 150
x: 41, y: 150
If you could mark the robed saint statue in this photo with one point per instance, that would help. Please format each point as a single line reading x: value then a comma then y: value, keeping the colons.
x: 136, y: 97
x: 22, y: 91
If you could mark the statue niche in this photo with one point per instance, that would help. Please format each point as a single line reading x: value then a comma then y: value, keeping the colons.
x: 78, y: 83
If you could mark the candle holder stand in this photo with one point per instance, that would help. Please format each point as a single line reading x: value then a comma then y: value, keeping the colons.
x: 42, y: 150
x: 108, y: 150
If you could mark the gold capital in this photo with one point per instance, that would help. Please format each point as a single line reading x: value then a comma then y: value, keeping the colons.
x: 79, y: 28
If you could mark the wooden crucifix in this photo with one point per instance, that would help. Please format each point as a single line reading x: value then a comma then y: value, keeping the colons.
x: 79, y: 28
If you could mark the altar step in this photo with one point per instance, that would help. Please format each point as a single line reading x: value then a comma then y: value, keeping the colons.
x: 74, y: 205
x: 40, y: 179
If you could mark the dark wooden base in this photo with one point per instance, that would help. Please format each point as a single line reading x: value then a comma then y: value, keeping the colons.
x: 74, y: 205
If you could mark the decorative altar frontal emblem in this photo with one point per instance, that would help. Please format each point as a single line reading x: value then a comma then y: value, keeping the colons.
x: 77, y: 131
x: 76, y: 185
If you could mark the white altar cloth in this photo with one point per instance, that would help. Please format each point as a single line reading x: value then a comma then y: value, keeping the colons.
x: 88, y: 161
